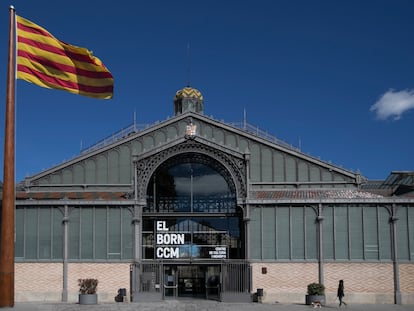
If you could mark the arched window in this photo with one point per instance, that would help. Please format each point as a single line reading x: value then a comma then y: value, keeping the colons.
x: 191, y: 211
x: 191, y: 183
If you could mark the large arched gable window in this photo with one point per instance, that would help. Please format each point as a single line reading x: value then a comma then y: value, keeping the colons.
x: 191, y: 183
x: 191, y: 211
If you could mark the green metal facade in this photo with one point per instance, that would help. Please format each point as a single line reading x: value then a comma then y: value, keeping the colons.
x: 351, y: 232
x: 278, y: 231
x: 270, y: 164
x: 101, y: 233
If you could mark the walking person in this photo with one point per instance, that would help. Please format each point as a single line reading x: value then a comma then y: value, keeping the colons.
x: 341, y: 293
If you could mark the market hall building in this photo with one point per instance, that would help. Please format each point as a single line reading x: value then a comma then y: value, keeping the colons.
x: 193, y: 207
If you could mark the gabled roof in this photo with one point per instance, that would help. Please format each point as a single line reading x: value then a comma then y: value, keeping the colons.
x: 132, y: 132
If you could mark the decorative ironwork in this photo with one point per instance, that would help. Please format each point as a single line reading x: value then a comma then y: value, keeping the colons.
x: 232, y: 168
x: 176, y: 205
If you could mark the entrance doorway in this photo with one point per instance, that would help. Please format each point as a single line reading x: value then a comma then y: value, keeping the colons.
x: 227, y: 281
x: 192, y: 281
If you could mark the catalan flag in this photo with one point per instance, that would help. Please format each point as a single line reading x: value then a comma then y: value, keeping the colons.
x: 48, y: 62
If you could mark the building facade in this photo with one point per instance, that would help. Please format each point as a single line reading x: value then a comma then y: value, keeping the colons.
x: 195, y: 207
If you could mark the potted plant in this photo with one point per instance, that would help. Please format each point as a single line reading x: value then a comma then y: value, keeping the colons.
x: 316, y: 293
x: 87, y: 291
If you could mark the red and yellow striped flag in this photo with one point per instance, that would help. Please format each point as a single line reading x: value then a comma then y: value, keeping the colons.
x: 48, y: 62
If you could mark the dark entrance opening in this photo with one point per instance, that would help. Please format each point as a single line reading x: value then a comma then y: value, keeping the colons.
x: 192, y: 281
x: 227, y: 281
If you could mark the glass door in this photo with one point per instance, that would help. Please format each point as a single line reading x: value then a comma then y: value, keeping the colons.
x: 170, y: 282
x: 213, y: 283
x: 191, y: 281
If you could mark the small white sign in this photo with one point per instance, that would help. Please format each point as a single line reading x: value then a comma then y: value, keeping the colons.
x: 219, y: 252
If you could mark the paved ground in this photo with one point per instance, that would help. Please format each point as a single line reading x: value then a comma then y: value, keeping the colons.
x: 194, y: 305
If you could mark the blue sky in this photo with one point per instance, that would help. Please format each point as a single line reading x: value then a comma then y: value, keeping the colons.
x: 335, y: 77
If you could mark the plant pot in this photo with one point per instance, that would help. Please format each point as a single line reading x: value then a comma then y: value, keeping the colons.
x: 312, y: 298
x: 88, y: 299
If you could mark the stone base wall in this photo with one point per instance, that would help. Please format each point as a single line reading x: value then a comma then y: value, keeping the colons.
x: 365, y: 283
x: 407, y: 283
x: 44, y: 281
x: 368, y: 283
x: 284, y: 282
x: 38, y: 282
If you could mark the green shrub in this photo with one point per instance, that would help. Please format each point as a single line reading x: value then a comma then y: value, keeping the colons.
x: 87, y: 286
x: 316, y: 289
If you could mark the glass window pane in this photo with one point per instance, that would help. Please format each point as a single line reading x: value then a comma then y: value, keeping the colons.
x: 127, y: 234
x: 148, y: 252
x: 147, y: 225
x: 31, y: 233
x: 298, y: 236
x: 370, y: 233
x: 341, y: 232
x: 73, y: 228
x: 402, y: 233
x: 19, y: 244
x: 269, y: 239
x: 100, y: 233
x: 45, y: 234
x: 148, y: 239
x: 283, y: 232
x: 86, y: 233
x: 328, y: 232
x: 114, y: 233
x: 57, y: 250
x: 311, y: 234
x: 255, y: 233
x: 384, y: 233
x: 355, y: 232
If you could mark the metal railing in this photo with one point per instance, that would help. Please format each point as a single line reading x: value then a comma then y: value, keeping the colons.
x: 135, y: 128
x: 254, y: 130
x: 131, y: 129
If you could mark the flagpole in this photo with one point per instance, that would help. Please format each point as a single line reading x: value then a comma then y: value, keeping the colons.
x: 7, y: 216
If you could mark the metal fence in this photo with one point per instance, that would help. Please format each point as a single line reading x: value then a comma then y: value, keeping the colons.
x: 148, y: 282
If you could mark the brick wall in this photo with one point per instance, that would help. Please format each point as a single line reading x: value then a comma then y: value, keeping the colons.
x: 364, y: 282
x: 289, y: 277
x: 111, y: 277
x: 407, y: 278
x: 407, y: 283
x: 360, y: 277
x: 284, y: 282
x: 44, y: 281
x: 38, y: 281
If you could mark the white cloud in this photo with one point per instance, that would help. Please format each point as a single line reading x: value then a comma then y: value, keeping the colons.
x: 393, y: 104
